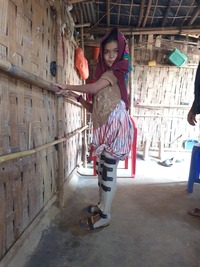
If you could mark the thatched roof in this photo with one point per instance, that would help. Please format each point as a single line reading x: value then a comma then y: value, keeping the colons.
x: 136, y: 17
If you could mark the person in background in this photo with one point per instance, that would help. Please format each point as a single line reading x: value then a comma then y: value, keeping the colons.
x: 191, y: 118
x: 112, y: 126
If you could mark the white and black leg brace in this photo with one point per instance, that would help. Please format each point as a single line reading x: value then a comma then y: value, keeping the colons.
x: 99, y: 168
x: 108, y: 185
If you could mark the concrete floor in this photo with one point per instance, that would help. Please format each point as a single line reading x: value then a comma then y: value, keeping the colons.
x: 150, y: 224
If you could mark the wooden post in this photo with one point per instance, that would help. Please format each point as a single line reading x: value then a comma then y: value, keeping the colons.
x: 160, y: 149
x: 146, y: 150
x: 84, y: 110
x: 131, y: 76
x: 161, y: 144
x: 59, y: 78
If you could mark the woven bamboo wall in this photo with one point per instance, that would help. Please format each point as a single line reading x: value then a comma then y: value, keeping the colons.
x: 73, y: 147
x: 30, y: 39
x: 163, y: 95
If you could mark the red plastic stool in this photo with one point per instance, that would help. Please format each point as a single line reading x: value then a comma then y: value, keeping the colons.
x: 133, y: 154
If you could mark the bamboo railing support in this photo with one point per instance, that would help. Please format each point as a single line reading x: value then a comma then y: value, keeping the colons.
x: 61, y: 168
x: 60, y: 78
x: 84, y: 110
x: 24, y: 153
x: 25, y: 76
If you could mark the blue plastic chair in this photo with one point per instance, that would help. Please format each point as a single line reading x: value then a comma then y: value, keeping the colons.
x: 194, y: 174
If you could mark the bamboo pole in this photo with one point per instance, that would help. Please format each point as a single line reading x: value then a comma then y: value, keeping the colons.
x: 60, y: 111
x: 154, y: 30
x: 141, y: 15
x: 17, y: 72
x: 147, y: 13
x: 153, y: 106
x: 61, y: 168
x: 157, y: 116
x: 108, y: 13
x: 82, y: 25
x: 131, y: 76
x: 80, y: 1
x: 195, y: 15
x: 84, y: 151
x: 24, y: 153
x: 166, y: 12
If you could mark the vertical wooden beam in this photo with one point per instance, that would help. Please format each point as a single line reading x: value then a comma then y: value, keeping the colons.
x: 150, y: 43
x: 61, y: 167
x: 131, y: 86
x: 59, y: 78
x: 146, y: 149
x: 84, y: 155
x: 82, y: 31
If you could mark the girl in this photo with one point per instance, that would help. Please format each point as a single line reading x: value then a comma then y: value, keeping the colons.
x: 112, y: 126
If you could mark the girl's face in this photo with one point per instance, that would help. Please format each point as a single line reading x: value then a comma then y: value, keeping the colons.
x: 110, y: 53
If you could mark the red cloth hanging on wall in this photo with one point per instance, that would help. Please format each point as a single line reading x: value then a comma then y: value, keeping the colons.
x: 81, y: 63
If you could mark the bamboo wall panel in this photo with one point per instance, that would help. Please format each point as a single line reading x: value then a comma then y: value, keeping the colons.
x: 27, y: 35
x: 72, y: 148
x: 26, y: 185
x: 28, y: 120
x: 160, y: 112
x: 29, y: 115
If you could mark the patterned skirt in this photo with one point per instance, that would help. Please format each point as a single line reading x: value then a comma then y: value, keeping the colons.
x: 116, y: 136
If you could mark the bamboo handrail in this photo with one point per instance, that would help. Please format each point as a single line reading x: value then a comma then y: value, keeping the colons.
x: 26, y: 76
x: 24, y: 153
x: 153, y: 106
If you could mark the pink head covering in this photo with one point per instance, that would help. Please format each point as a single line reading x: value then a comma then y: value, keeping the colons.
x: 120, y: 67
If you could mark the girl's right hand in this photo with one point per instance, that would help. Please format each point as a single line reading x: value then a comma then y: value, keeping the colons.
x: 61, y: 86
x: 191, y: 118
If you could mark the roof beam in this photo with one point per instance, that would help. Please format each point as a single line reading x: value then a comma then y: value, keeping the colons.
x: 108, y: 12
x: 147, y: 13
x: 78, y: 1
x: 82, y: 25
x: 131, y: 7
x: 141, y: 13
x: 118, y: 15
x: 195, y: 15
x: 152, y: 30
x: 166, y: 12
